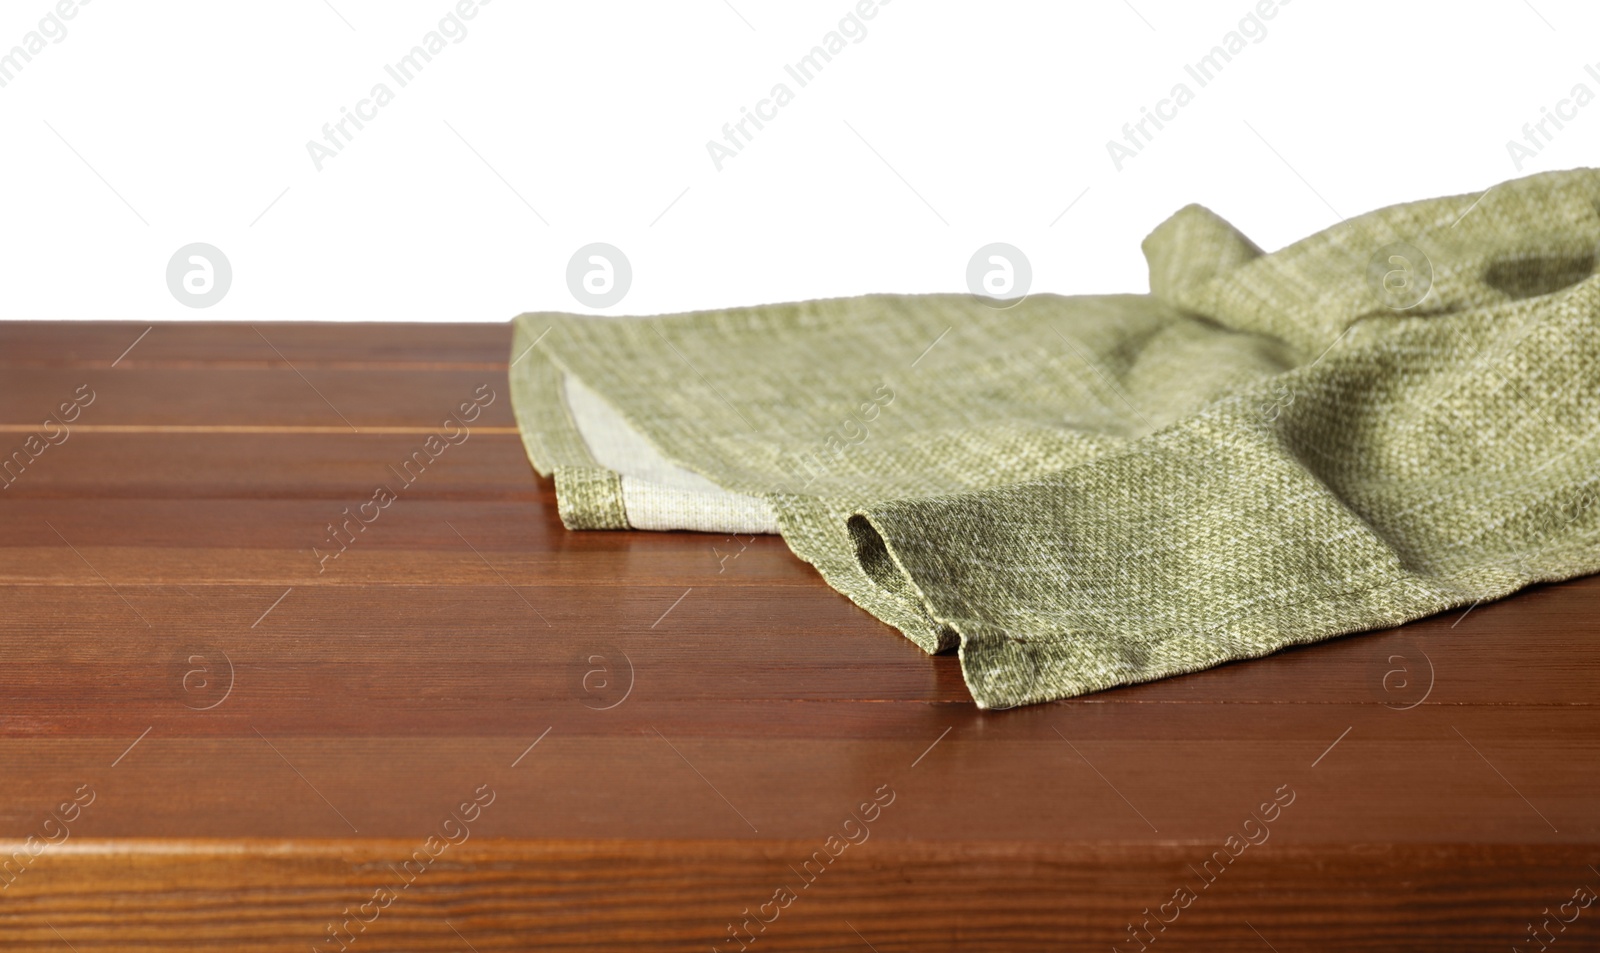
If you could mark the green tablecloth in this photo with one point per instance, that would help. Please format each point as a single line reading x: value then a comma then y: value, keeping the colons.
x: 1387, y: 419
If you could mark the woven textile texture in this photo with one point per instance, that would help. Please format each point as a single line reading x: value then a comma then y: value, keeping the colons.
x: 1387, y: 419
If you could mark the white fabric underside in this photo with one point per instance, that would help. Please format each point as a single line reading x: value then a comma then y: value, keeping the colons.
x: 657, y: 493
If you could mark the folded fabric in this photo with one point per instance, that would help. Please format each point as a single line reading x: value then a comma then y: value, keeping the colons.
x: 1390, y: 418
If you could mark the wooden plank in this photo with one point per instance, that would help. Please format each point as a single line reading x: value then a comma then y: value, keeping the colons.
x: 671, y: 722
x: 700, y: 637
x: 759, y: 768
x: 284, y: 465
x: 126, y: 344
x: 900, y: 896
x: 335, y: 400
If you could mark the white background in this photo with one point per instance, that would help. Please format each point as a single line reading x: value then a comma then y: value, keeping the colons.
x: 948, y: 126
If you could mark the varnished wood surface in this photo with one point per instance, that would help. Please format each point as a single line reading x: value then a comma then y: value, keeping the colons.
x: 265, y: 733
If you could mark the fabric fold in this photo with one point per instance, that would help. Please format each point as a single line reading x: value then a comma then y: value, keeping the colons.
x: 1387, y: 419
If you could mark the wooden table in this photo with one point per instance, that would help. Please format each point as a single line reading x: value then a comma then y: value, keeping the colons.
x: 473, y: 730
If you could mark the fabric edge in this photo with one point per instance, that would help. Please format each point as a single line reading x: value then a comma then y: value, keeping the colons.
x: 588, y: 496
x: 805, y: 525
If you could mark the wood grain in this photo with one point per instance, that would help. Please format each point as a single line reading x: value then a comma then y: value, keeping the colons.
x: 670, y: 724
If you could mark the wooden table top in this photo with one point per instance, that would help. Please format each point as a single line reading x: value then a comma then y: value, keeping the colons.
x: 246, y: 706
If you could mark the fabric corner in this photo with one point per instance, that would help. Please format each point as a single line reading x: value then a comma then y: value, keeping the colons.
x: 590, y: 498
